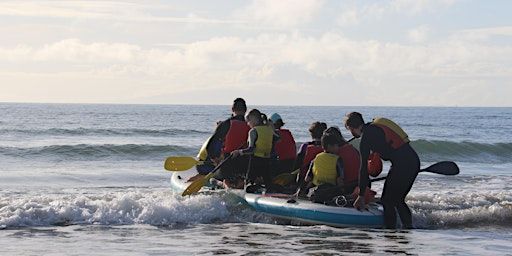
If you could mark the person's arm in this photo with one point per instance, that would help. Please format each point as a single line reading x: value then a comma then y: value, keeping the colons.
x: 218, y: 136
x: 309, y: 174
x: 300, y: 156
x: 372, y: 136
x: 253, y: 136
x: 364, y: 150
x: 275, y: 139
x: 341, y: 173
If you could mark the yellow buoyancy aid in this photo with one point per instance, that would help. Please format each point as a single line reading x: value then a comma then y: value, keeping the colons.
x: 394, y: 134
x: 264, y: 141
x: 324, y: 169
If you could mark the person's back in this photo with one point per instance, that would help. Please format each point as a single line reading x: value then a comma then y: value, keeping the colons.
x: 308, y: 151
x: 324, y: 169
x: 232, y: 134
x: 260, y: 147
x: 351, y: 163
x: 285, y: 148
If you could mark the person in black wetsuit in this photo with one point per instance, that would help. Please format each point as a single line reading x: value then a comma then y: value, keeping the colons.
x: 232, y: 134
x: 391, y: 142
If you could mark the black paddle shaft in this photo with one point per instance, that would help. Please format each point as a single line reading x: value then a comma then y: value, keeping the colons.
x: 444, y: 168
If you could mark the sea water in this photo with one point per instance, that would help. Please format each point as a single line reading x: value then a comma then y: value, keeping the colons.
x: 81, y: 179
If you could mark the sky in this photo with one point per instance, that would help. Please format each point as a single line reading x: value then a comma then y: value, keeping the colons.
x: 286, y: 52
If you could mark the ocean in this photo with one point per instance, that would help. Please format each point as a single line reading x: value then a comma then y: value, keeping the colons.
x: 88, y: 179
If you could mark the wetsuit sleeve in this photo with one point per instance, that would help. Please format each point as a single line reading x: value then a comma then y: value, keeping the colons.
x: 373, y: 136
x: 300, y: 156
x: 364, y: 149
x: 253, y: 136
x: 275, y: 138
x: 339, y: 168
x: 218, y: 136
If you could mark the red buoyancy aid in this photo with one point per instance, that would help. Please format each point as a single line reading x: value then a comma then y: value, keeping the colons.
x: 374, y: 164
x: 285, y: 147
x: 351, y: 163
x: 236, y: 136
x: 311, y: 151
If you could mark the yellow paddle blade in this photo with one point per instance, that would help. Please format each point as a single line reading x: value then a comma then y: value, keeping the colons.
x: 197, y: 185
x: 284, y: 179
x: 180, y: 163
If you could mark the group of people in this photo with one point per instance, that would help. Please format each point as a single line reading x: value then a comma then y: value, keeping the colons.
x: 253, y: 149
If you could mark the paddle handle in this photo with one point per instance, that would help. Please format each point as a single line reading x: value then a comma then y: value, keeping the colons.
x: 218, y: 166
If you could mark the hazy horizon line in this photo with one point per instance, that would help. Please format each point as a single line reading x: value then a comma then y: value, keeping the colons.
x: 265, y: 105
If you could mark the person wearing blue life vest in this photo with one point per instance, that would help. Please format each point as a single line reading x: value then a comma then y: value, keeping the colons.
x: 392, y: 144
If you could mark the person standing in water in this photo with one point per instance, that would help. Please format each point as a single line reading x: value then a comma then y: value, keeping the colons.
x: 260, y: 149
x: 392, y: 143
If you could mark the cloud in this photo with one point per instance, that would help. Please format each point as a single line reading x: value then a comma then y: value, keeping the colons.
x: 483, y: 34
x: 100, y: 10
x: 283, y: 13
x: 297, y: 63
x: 349, y: 17
x: 353, y: 14
x: 419, y: 34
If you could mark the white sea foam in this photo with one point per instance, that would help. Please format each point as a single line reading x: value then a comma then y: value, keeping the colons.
x: 461, y: 209
x: 113, y: 208
x: 161, y: 208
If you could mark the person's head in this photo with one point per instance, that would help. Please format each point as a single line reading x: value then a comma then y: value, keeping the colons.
x: 354, y: 123
x: 317, y: 130
x: 239, y: 107
x: 254, y: 118
x: 331, y: 142
x: 276, y: 120
x: 336, y: 131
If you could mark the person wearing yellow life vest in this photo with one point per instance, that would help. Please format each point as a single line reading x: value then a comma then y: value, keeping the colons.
x: 386, y: 138
x: 326, y: 172
x: 260, y: 148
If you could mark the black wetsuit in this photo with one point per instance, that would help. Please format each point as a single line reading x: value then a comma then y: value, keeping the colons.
x: 220, y: 134
x: 405, y: 165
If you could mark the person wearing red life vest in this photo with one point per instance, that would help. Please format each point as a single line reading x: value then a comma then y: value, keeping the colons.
x: 232, y: 134
x: 285, y: 148
x: 386, y: 138
x: 308, y: 151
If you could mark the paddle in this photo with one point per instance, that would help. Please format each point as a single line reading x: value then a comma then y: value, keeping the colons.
x: 285, y: 178
x: 199, y: 183
x: 180, y: 163
x: 444, y: 168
